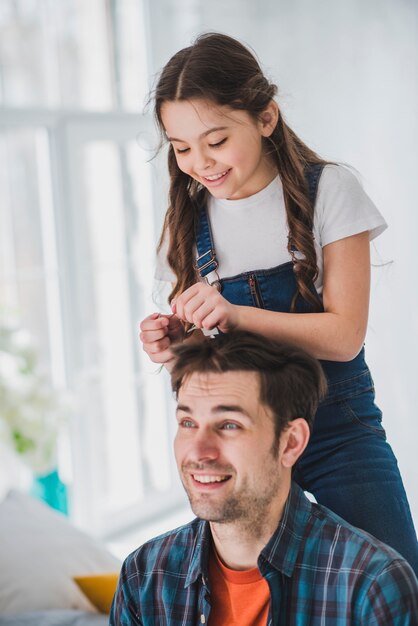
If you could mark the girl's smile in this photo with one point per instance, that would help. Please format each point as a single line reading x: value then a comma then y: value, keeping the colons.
x: 220, y: 147
x: 216, y: 179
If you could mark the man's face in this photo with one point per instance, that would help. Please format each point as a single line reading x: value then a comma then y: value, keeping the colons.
x: 225, y: 448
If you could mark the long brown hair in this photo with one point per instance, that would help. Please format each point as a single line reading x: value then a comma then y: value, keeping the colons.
x: 220, y: 69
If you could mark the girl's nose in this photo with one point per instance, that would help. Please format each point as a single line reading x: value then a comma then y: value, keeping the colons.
x: 203, y: 161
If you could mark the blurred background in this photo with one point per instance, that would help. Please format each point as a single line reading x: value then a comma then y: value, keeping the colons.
x: 84, y: 415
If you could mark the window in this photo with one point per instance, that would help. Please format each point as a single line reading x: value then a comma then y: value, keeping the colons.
x: 78, y: 228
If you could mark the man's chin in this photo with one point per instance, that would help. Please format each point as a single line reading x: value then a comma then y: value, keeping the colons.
x: 204, y: 510
x: 210, y: 516
x: 221, y: 514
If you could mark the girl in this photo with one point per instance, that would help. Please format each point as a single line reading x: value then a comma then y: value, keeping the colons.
x: 262, y: 234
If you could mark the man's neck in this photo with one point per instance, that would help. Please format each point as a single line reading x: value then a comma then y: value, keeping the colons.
x: 239, y: 543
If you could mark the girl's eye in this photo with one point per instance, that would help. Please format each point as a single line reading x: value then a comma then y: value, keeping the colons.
x: 182, y: 150
x: 219, y: 143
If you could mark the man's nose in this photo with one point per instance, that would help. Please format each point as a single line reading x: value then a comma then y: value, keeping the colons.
x: 205, y: 447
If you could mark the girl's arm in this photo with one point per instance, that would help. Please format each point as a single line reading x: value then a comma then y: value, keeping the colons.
x: 337, y: 334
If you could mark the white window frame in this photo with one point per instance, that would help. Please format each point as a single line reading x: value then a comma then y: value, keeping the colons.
x: 68, y: 130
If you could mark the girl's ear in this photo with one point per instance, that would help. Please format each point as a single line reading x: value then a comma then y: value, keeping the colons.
x: 269, y: 118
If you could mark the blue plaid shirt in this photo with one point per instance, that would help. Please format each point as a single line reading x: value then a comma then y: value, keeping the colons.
x: 321, y: 572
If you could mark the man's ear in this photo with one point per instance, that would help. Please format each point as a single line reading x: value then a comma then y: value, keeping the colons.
x: 294, y: 441
x: 269, y: 118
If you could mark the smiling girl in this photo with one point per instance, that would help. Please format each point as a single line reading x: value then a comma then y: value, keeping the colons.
x: 262, y: 234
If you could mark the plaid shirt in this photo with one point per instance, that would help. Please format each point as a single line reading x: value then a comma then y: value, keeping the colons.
x: 321, y: 572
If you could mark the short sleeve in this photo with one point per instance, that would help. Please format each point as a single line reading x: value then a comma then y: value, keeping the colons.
x: 343, y: 208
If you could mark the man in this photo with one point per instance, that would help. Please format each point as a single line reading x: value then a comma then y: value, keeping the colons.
x: 259, y: 552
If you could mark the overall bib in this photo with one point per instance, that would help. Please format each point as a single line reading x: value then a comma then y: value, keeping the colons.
x: 348, y: 465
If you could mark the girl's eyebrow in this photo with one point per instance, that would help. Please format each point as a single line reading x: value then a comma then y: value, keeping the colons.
x: 205, y: 134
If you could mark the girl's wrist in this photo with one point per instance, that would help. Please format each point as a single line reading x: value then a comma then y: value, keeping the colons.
x: 169, y: 365
x: 237, y: 317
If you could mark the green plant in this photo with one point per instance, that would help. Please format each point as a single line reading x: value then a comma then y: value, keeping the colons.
x: 32, y: 412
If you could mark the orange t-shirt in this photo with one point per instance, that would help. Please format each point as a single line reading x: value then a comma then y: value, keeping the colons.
x: 237, y: 597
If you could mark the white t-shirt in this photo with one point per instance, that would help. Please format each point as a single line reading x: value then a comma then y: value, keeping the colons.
x: 251, y: 233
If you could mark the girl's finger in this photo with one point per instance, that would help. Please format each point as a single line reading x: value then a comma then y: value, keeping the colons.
x: 150, y: 336
x: 154, y: 323
x: 188, y: 294
x: 213, y: 320
x: 200, y: 314
x: 157, y: 346
x: 161, y: 357
x: 192, y: 305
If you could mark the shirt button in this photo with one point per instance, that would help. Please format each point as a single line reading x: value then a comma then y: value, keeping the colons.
x: 202, y: 619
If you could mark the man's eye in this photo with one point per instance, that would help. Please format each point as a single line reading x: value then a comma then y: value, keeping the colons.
x: 230, y: 426
x: 185, y: 423
x: 217, y: 144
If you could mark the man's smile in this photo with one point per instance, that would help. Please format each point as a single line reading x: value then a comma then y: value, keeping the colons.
x: 206, y: 479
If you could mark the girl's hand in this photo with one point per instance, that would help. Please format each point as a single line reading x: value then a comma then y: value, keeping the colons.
x: 203, y: 306
x: 158, y: 333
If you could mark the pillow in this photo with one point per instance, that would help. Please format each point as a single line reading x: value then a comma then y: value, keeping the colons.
x: 55, y: 617
x: 99, y: 589
x: 40, y: 553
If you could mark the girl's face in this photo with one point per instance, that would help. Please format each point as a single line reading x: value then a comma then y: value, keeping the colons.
x: 220, y: 147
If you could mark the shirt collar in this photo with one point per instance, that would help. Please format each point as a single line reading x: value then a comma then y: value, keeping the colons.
x: 199, y: 561
x: 283, y: 548
x: 280, y: 552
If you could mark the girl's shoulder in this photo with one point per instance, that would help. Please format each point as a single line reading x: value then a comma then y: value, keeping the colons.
x: 340, y: 176
x: 342, y: 206
x: 340, y: 186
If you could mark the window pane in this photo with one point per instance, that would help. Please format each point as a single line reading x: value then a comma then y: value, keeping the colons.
x: 130, y: 53
x: 28, y: 264
x: 50, y: 55
x: 72, y: 54
x: 157, y: 418
x: 119, y: 219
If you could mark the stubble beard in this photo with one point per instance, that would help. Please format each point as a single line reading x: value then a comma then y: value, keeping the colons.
x: 247, y: 506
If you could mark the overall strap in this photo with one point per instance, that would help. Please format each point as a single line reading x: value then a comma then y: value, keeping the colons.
x: 206, y: 256
x: 313, y: 173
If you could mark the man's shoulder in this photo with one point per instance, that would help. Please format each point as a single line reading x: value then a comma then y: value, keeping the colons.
x: 312, y: 538
x: 155, y: 580
x: 351, y: 547
x: 169, y: 551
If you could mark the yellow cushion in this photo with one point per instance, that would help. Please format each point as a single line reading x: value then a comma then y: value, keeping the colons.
x: 99, y: 589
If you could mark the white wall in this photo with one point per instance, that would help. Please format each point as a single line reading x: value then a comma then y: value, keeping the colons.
x: 347, y: 73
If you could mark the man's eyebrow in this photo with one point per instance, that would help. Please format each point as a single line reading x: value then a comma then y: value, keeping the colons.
x: 205, y: 134
x: 219, y: 408
x: 183, y: 407
x: 231, y: 408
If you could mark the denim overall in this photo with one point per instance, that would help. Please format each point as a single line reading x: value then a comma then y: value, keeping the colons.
x: 348, y: 465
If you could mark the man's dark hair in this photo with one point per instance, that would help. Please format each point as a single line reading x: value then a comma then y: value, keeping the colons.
x: 292, y: 383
